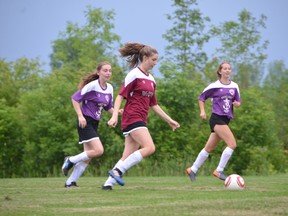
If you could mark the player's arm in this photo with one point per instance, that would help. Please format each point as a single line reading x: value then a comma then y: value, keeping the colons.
x: 158, y: 110
x: 77, y: 108
x: 202, y: 109
x: 114, y: 119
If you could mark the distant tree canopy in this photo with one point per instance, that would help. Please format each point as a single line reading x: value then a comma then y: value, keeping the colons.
x: 38, y: 122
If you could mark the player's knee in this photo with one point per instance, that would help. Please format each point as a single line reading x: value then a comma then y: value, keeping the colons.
x: 232, y: 145
x: 100, y: 152
x: 97, y: 152
x: 147, y: 151
x: 152, y: 149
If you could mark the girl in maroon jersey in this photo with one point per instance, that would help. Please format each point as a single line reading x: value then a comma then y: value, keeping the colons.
x: 139, y: 91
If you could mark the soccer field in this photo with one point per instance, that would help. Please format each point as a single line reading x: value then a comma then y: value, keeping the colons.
x: 147, y: 196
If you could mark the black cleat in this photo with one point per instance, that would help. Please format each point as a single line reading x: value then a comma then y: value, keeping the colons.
x: 73, y: 184
x: 108, y: 187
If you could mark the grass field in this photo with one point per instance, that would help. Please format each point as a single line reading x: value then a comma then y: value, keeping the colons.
x: 147, y: 196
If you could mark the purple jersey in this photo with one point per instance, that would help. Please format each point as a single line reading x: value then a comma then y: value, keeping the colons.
x: 222, y: 96
x: 94, y: 99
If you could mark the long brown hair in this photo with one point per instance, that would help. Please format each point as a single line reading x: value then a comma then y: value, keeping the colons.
x: 135, y: 53
x: 92, y: 76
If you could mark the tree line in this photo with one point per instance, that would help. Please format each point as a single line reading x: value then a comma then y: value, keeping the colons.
x: 38, y: 123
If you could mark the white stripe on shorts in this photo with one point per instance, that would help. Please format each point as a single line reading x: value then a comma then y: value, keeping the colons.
x: 85, y: 141
x: 128, y: 132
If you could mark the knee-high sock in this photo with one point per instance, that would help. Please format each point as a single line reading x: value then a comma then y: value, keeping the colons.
x: 130, y: 161
x: 77, y: 172
x: 80, y: 157
x: 111, y: 181
x: 202, y: 156
x: 226, y: 154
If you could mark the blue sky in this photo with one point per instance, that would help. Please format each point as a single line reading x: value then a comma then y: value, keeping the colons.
x: 29, y: 26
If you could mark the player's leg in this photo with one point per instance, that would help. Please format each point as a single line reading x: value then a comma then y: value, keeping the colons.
x: 78, y: 170
x: 212, y: 142
x: 142, y: 138
x: 224, y: 132
x: 131, y: 155
x: 129, y: 147
x: 93, y: 148
x: 90, y: 138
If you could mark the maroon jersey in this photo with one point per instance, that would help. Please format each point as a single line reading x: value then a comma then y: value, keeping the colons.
x: 139, y: 91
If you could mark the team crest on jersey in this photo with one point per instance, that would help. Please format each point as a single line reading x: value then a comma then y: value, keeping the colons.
x: 231, y: 91
x: 152, y: 84
x: 107, y: 98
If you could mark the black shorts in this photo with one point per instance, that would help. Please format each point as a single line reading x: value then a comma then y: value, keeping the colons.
x: 218, y: 120
x: 133, y: 126
x: 90, y: 132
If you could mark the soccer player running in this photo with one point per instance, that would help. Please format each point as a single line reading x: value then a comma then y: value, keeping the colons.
x: 94, y: 94
x: 225, y: 95
x: 139, y: 91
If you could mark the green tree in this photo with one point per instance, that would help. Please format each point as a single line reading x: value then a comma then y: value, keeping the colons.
x: 80, y: 48
x: 276, y: 92
x: 187, y: 36
x: 17, y: 78
x: 11, y: 141
x: 259, y: 150
x: 241, y: 44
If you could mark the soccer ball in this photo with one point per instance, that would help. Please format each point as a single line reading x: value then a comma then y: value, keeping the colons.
x: 234, y: 182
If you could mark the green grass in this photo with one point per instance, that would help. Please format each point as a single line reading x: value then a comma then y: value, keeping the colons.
x: 147, y: 196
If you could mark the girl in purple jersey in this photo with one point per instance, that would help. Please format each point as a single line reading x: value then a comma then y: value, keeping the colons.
x: 224, y: 95
x: 94, y: 95
x: 139, y: 91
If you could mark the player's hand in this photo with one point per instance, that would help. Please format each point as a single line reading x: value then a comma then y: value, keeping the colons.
x: 113, y: 122
x: 82, y: 122
x: 203, y: 115
x: 236, y: 103
x: 174, y: 125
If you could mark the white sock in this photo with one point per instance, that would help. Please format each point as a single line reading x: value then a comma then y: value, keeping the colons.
x: 77, y: 172
x: 111, y: 181
x: 226, y: 154
x: 202, y: 156
x: 80, y: 157
x: 130, y: 161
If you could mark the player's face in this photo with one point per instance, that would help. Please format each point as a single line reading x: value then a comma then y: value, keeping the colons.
x: 225, y: 71
x: 105, y: 73
x: 150, y: 62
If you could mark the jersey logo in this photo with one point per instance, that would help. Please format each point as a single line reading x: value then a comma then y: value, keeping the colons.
x: 107, y: 98
x: 226, y: 105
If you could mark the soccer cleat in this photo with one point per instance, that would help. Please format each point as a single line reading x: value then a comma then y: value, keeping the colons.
x: 67, y: 165
x: 73, y: 184
x: 191, y: 174
x: 115, y: 174
x: 219, y: 175
x: 108, y: 187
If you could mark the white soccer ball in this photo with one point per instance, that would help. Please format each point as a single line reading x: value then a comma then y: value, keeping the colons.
x: 234, y: 182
